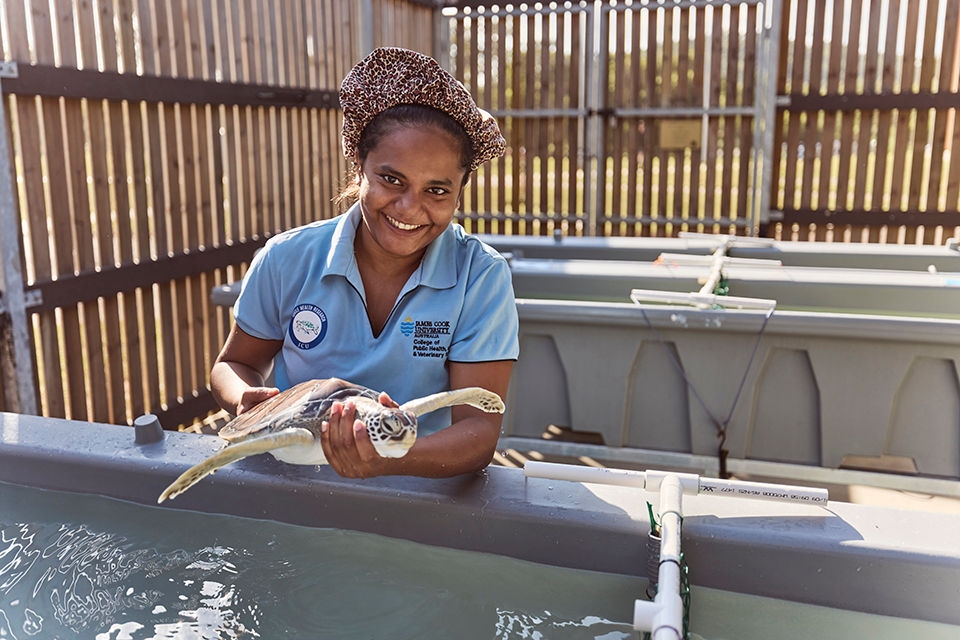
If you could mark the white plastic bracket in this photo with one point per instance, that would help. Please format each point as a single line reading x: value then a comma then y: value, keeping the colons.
x: 9, y: 70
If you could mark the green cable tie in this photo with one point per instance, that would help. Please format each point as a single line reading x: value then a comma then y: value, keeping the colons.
x: 654, y: 525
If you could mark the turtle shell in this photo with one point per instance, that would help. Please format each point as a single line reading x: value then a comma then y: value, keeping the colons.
x: 304, y: 405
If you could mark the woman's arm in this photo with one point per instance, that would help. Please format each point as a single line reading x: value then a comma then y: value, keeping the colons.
x: 239, y: 373
x: 465, y: 446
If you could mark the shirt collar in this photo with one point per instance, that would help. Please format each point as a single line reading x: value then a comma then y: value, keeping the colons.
x: 341, y: 259
x: 439, y: 267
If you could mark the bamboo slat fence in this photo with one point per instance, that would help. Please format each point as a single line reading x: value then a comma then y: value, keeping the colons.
x: 666, y: 171
x: 625, y: 118
x: 154, y: 145
x: 868, y: 147
x: 526, y: 68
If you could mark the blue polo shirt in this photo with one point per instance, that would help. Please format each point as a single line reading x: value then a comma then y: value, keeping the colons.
x: 304, y: 288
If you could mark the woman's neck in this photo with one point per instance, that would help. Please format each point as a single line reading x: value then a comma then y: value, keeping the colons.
x: 373, y: 260
x: 383, y: 277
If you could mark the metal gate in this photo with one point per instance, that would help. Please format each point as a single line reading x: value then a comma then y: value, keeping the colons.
x: 622, y: 118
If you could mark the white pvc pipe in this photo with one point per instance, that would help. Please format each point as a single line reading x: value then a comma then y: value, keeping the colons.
x: 716, y: 268
x: 580, y: 473
x: 691, y: 483
x: 692, y: 259
x: 735, y: 241
x: 681, y: 297
x: 663, y: 617
x: 742, y: 489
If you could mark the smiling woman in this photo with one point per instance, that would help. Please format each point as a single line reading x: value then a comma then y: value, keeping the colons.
x: 407, y: 199
x: 390, y: 295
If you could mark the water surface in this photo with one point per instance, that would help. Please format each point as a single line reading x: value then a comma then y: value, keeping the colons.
x: 76, y: 566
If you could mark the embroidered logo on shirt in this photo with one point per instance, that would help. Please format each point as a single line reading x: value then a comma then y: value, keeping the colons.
x: 430, y: 337
x: 308, y: 326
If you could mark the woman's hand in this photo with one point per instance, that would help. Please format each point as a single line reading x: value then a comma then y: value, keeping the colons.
x: 346, y: 443
x: 238, y: 376
x: 465, y: 446
x: 252, y: 396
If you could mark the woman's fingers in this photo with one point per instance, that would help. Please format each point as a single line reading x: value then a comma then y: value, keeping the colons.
x: 346, y: 444
x: 253, y: 396
x: 387, y: 401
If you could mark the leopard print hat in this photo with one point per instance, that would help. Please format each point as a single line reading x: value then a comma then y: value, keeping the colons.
x: 390, y: 76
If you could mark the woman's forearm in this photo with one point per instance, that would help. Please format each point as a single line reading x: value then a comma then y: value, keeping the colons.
x: 464, y: 447
x: 228, y: 381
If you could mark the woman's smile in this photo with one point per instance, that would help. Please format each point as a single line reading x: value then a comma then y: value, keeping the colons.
x: 402, y: 226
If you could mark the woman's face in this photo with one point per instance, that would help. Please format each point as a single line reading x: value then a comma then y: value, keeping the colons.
x: 410, y: 186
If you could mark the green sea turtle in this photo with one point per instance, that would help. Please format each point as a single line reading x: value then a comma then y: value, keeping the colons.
x: 287, y: 425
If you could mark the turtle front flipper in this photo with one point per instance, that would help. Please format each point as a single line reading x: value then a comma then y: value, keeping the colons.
x: 232, y: 453
x: 474, y: 396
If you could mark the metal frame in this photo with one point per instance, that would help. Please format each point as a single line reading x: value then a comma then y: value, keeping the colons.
x: 592, y: 112
x: 587, y: 98
x: 14, y: 299
x: 763, y: 111
x: 763, y: 122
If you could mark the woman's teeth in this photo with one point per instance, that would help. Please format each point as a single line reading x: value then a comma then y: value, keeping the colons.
x: 401, y: 225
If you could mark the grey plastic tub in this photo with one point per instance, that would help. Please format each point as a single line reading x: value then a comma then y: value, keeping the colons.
x: 916, y: 293
x: 795, y: 254
x: 802, y: 388
x: 846, y: 556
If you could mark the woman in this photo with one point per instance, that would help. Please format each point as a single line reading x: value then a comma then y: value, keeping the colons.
x: 389, y: 295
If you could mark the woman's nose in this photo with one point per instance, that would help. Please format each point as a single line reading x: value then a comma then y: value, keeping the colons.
x: 409, y: 200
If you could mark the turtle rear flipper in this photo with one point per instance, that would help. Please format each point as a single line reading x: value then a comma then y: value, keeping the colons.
x: 232, y: 453
x: 474, y: 396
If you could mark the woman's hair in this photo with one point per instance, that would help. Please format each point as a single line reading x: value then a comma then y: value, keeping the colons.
x: 404, y: 115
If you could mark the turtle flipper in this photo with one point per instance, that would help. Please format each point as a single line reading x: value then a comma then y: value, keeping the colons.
x: 474, y: 396
x: 234, y: 452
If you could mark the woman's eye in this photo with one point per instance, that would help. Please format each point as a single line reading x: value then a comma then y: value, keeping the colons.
x: 438, y: 191
x: 390, y: 179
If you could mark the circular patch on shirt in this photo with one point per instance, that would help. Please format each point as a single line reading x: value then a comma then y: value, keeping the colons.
x: 308, y: 326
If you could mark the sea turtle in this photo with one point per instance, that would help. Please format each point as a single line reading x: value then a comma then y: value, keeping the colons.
x: 288, y: 425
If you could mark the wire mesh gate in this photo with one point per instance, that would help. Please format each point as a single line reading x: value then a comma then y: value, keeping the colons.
x: 622, y: 118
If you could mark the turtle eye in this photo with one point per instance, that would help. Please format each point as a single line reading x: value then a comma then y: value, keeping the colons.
x: 392, y: 425
x: 396, y: 425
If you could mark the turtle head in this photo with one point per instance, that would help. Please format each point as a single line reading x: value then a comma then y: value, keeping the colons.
x: 392, y: 432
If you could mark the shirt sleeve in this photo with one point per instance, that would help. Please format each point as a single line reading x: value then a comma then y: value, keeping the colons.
x: 488, y: 327
x: 257, y: 310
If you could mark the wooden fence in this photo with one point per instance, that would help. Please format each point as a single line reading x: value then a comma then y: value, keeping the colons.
x: 155, y: 144
x: 868, y: 147
x: 650, y: 118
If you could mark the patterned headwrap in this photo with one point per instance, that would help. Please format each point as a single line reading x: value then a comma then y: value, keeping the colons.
x: 392, y: 76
